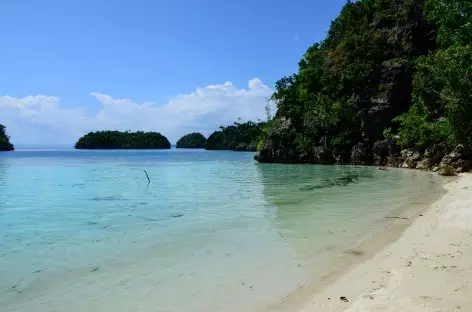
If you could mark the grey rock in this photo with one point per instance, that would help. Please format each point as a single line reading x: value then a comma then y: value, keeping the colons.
x: 381, y: 152
x: 323, y: 155
x: 447, y: 170
x: 410, y: 158
x: 459, y: 152
x: 423, y: 164
x: 360, y: 154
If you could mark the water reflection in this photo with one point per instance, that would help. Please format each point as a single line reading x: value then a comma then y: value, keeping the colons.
x: 326, y: 210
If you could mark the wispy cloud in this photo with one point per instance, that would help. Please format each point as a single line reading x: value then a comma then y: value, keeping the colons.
x: 41, y: 119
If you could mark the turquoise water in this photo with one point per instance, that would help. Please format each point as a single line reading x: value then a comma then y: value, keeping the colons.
x: 212, y: 231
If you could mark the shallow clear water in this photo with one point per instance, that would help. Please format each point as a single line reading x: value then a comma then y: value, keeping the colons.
x: 213, y: 231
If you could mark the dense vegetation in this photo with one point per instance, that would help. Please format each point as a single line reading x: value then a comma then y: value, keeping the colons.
x: 395, y: 71
x: 5, y: 144
x: 236, y: 137
x: 192, y: 140
x: 122, y: 140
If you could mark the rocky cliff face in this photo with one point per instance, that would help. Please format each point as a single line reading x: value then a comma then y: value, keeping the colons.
x: 381, y: 153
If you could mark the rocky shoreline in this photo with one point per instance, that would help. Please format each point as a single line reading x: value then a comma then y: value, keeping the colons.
x: 382, y: 153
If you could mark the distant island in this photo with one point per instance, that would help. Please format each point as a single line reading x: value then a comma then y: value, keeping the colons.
x: 192, y: 140
x: 389, y: 85
x: 123, y: 140
x: 5, y: 144
x: 236, y: 137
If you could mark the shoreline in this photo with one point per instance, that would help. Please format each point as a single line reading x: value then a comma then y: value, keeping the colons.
x: 367, y: 247
x: 425, y: 268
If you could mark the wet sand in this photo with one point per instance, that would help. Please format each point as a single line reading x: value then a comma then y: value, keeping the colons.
x: 427, y: 269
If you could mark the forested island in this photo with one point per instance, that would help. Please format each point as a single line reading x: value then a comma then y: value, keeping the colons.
x: 5, y: 144
x: 389, y: 85
x: 192, y: 140
x: 236, y: 137
x: 123, y: 140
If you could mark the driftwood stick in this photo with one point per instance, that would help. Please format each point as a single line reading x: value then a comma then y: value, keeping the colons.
x: 147, y: 176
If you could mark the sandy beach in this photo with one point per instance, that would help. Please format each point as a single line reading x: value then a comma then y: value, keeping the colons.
x: 428, y: 268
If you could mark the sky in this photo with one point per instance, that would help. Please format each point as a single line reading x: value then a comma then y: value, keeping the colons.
x: 171, y: 66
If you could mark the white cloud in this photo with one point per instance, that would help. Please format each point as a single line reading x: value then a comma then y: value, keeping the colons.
x: 40, y: 119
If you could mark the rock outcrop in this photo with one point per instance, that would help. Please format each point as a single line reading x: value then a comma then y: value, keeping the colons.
x: 323, y: 155
x: 446, y: 170
x: 410, y: 158
x: 360, y: 154
x: 436, y: 159
x: 382, y: 153
x: 460, y: 159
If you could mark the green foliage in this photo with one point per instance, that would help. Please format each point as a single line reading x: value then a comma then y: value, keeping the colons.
x: 350, y: 86
x: 238, y: 136
x: 442, y: 106
x: 192, y: 140
x: 122, y: 140
x: 419, y: 130
x: 394, y: 69
x: 5, y: 144
x: 453, y: 19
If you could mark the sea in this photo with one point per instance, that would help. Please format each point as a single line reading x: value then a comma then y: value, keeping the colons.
x: 189, y: 230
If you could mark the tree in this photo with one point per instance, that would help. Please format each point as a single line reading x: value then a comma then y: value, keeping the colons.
x: 123, y: 140
x: 192, y: 140
x: 351, y: 86
x: 238, y: 136
x: 442, y: 106
x: 5, y: 144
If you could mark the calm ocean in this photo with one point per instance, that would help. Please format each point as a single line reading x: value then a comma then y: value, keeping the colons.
x: 212, y: 231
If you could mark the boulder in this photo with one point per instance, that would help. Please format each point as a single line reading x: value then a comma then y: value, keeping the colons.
x: 459, y: 153
x: 460, y: 159
x: 410, y: 158
x: 462, y: 165
x: 424, y: 164
x: 394, y: 161
x: 447, y: 170
x: 323, y: 155
x: 452, y: 157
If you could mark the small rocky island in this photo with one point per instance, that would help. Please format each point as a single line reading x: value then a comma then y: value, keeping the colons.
x: 192, y: 140
x: 236, y: 137
x: 5, y: 144
x: 123, y: 140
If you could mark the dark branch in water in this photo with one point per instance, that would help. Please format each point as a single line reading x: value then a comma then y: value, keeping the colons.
x: 403, y: 218
x: 147, y: 176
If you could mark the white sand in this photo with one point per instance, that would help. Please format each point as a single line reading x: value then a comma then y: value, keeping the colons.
x: 428, y: 269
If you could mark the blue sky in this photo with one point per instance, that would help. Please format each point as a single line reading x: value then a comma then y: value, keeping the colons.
x: 72, y: 66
